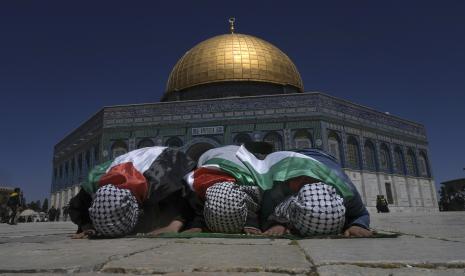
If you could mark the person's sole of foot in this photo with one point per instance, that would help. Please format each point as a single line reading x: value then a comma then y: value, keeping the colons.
x: 173, y: 227
x: 252, y: 231
x: 277, y: 230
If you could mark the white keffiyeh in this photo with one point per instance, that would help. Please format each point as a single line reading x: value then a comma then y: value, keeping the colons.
x: 317, y: 209
x: 227, y: 206
x: 114, y: 212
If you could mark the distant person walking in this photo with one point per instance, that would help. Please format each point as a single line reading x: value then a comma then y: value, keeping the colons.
x: 65, y: 213
x: 14, y: 201
x: 4, y: 218
x: 52, y: 213
x: 57, y: 214
x: 381, y: 204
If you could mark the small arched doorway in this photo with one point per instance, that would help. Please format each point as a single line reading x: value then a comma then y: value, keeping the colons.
x: 242, y: 138
x: 173, y: 142
x: 119, y: 148
x: 275, y: 139
x: 196, y: 150
x: 146, y: 142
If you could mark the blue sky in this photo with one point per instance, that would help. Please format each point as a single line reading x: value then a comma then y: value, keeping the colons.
x: 61, y: 61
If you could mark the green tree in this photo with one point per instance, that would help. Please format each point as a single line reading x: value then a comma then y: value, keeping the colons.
x: 32, y: 205
x: 45, y: 205
x: 452, y: 199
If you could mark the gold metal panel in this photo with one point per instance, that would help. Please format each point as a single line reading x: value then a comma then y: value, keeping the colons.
x: 233, y: 57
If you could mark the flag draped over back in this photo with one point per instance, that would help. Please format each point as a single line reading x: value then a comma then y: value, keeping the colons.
x: 145, y: 171
x: 225, y: 159
x: 91, y: 185
x: 284, y: 165
x: 276, y: 167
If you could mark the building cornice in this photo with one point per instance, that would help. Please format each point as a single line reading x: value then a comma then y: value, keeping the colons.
x: 273, y: 106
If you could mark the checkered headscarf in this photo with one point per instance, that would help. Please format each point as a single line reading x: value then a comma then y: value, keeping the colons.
x: 316, y: 210
x: 227, y: 205
x: 114, y: 212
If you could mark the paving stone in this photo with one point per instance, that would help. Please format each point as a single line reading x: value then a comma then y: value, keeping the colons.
x: 68, y: 255
x: 351, y: 270
x: 240, y: 241
x: 165, y: 274
x: 441, y: 225
x: 404, y: 249
x: 45, y: 248
x: 36, y: 229
x: 192, y: 257
x: 58, y: 274
x: 227, y: 274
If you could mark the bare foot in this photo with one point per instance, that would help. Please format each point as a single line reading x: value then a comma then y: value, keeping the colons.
x: 357, y: 231
x: 252, y: 230
x: 84, y: 235
x: 193, y: 230
x: 173, y: 227
x: 277, y: 230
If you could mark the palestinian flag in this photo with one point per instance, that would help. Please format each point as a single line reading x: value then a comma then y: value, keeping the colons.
x: 203, y: 178
x: 225, y: 159
x: 152, y: 172
x: 284, y: 165
x: 218, y: 165
x: 246, y: 169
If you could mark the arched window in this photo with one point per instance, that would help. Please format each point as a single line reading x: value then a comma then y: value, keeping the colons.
x: 73, y: 168
x: 334, y: 146
x: 119, y: 148
x: 275, y: 140
x: 174, y: 142
x: 399, y: 158
x: 423, y: 164
x: 146, y: 142
x: 96, y: 153
x: 411, y: 163
x: 353, y: 157
x: 66, y: 174
x: 385, y: 158
x: 302, y: 139
x: 370, y: 156
x: 242, y: 138
x: 80, y: 163
x: 61, y: 171
x: 196, y: 150
x: 88, y: 163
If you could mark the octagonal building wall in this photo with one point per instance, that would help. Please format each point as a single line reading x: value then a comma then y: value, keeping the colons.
x: 288, y: 122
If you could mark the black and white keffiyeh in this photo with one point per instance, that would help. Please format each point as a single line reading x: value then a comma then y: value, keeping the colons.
x: 227, y: 206
x: 114, y: 212
x: 317, y: 209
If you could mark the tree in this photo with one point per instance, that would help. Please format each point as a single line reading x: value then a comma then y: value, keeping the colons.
x: 45, y: 205
x: 32, y: 205
x: 444, y: 200
x: 452, y: 198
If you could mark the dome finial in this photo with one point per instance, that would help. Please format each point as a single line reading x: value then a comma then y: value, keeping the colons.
x: 231, y: 22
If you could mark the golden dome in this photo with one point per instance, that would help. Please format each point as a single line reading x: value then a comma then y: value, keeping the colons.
x: 233, y: 57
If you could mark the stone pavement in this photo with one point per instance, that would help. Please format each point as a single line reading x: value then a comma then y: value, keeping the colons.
x: 430, y: 244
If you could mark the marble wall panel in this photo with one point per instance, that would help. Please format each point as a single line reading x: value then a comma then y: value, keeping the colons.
x: 370, y: 180
x: 402, y: 193
x: 426, y: 191
x: 415, y: 194
x: 356, y: 178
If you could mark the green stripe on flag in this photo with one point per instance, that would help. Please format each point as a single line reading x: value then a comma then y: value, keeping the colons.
x: 91, y: 185
x: 291, y: 167
x: 240, y: 173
